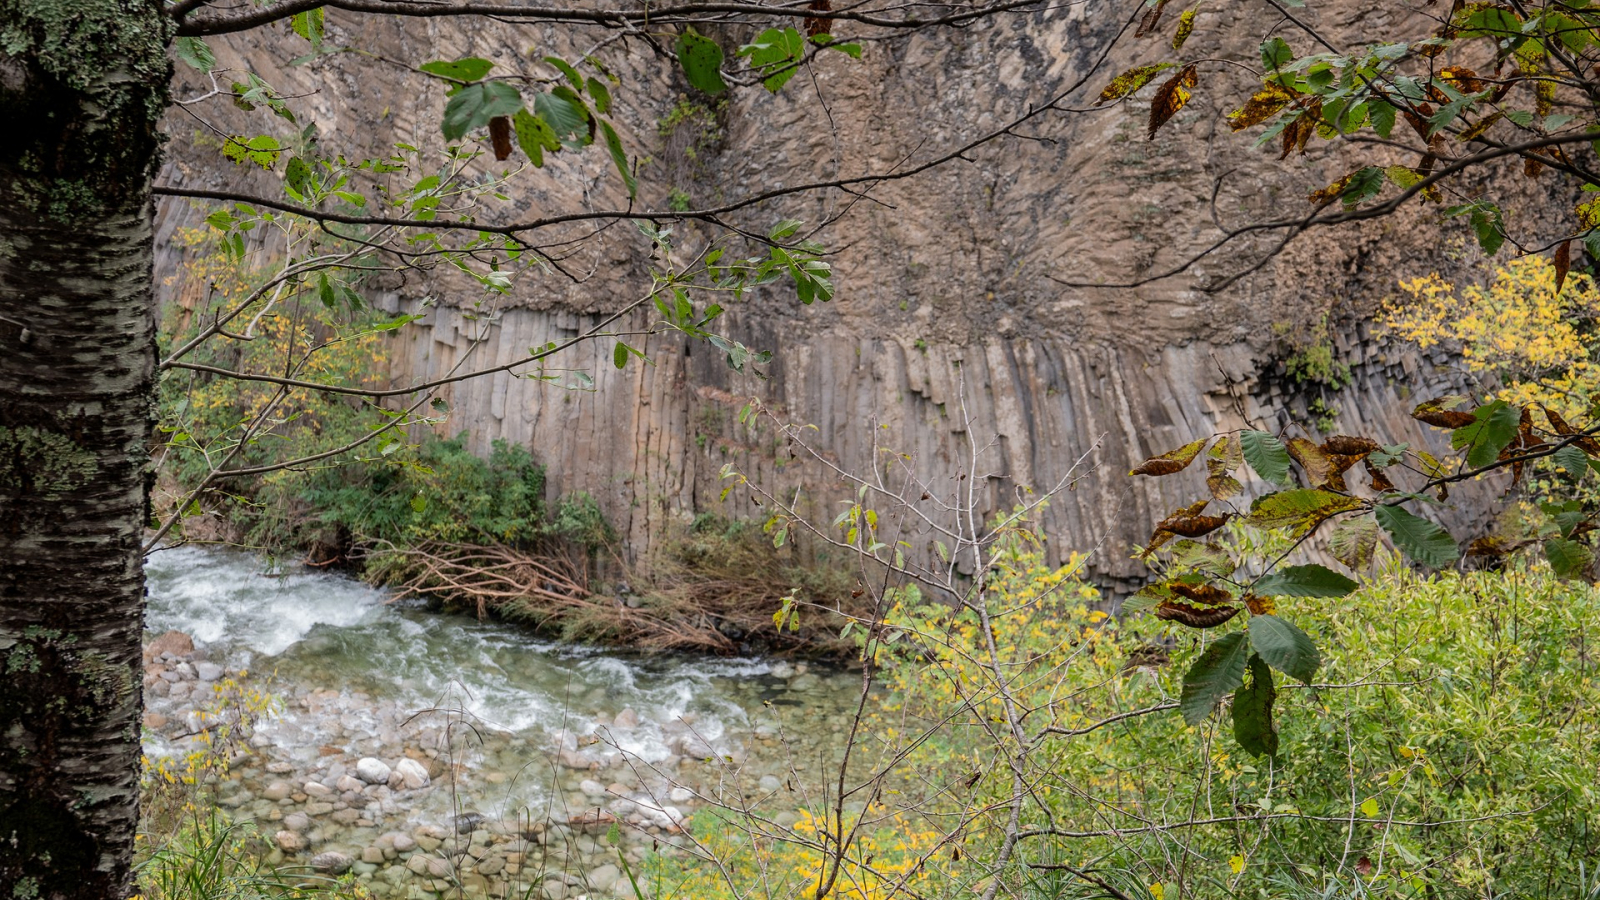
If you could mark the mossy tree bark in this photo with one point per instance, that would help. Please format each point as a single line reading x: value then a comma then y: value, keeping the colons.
x: 82, y: 85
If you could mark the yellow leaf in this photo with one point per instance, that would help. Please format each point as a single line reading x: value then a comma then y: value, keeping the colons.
x: 1236, y: 863
x: 1260, y: 107
x: 1369, y: 807
x: 1185, y: 27
x: 1130, y: 81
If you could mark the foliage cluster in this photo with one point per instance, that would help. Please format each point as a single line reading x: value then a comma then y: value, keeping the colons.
x: 1447, y: 750
x: 1529, y: 330
x: 1432, y: 99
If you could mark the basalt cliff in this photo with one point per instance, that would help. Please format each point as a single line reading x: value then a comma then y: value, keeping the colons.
x: 980, y: 304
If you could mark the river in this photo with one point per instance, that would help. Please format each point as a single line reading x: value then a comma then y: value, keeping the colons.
x: 398, y: 732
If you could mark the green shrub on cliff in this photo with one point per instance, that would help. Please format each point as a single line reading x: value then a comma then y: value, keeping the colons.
x: 435, y: 490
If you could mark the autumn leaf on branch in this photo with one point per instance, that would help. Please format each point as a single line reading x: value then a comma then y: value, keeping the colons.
x: 1170, y: 97
x: 1130, y: 81
x: 1260, y: 107
x: 1171, y: 461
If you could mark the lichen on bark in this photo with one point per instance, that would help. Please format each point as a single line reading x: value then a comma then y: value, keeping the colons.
x: 83, y: 84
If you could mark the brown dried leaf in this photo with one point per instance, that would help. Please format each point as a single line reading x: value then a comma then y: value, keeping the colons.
x: 1345, y: 445
x: 1434, y: 413
x: 1332, y: 192
x: 1560, y: 426
x: 1299, y: 131
x: 1380, y: 478
x: 1316, y: 464
x: 1260, y: 606
x: 1171, y: 96
x: 1563, y: 263
x: 1462, y: 77
x: 1171, y: 461
x: 1353, y: 541
x: 1531, y: 166
x: 1162, y: 534
x: 1222, y: 485
x: 1209, y: 594
x: 1260, y: 107
x: 500, y: 136
x: 1193, y: 617
x: 1492, y: 545
x: 1227, y: 454
x: 1193, y: 526
x: 1418, y: 117
x: 816, y: 25
x: 1151, y: 18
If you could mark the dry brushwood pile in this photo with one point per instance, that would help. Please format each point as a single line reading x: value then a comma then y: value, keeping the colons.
x: 702, y: 605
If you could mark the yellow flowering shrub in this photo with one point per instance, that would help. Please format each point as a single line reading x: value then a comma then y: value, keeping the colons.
x: 887, y: 858
x: 1540, y: 342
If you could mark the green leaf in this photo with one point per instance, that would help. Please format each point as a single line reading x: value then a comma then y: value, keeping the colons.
x: 1573, y: 460
x: 1253, y: 727
x: 534, y: 136
x: 1568, y: 559
x: 1285, y: 647
x: 614, y: 145
x: 1266, y: 455
x: 308, y: 25
x: 1217, y: 673
x: 194, y: 51
x: 474, y: 105
x: 1304, y: 581
x: 701, y: 59
x: 1496, y: 427
x: 1487, y: 223
x: 1381, y: 114
x: 1418, y: 538
x: 783, y: 229
x: 261, y: 150
x: 619, y: 356
x: 567, y: 70
x: 775, y: 53
x: 601, y: 95
x: 1275, y: 54
x: 297, y: 176
x: 463, y: 71
x: 565, y: 114
x: 397, y: 322
x: 325, y: 290
x: 1364, y: 184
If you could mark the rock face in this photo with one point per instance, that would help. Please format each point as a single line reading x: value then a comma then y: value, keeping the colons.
x: 977, y: 311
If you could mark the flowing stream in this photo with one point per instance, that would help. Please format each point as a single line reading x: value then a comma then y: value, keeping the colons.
x: 521, y: 739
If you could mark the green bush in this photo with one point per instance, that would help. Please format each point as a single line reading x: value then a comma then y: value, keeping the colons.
x: 1466, y: 704
x: 437, y: 490
x: 1448, y: 749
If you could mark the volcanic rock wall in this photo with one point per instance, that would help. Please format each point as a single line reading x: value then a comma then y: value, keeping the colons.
x: 1004, y: 301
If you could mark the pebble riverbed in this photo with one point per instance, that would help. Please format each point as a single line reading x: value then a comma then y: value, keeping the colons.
x: 436, y: 756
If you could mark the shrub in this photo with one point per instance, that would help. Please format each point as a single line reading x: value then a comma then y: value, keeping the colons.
x: 1448, y: 750
x: 436, y: 490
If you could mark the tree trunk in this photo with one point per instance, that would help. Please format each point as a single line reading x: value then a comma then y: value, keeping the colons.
x: 82, y: 85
